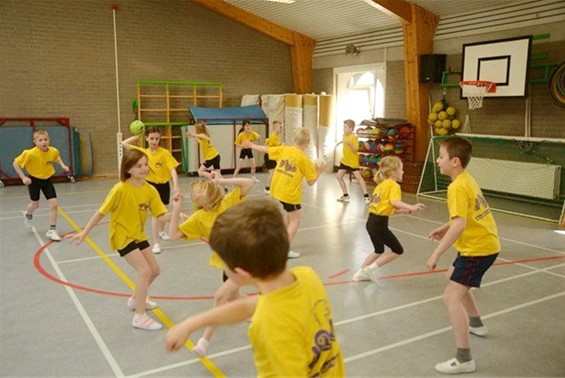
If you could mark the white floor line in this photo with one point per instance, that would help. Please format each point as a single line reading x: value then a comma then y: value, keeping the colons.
x: 95, y: 334
x: 390, y: 346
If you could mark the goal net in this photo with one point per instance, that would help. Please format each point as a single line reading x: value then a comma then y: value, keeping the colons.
x: 518, y: 175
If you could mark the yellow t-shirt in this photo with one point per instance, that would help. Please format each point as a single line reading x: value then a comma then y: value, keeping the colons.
x: 350, y: 157
x: 252, y: 136
x: 160, y: 163
x: 199, y: 225
x: 292, y: 165
x: 38, y: 163
x: 292, y: 331
x: 465, y: 199
x: 273, y: 140
x: 384, y: 195
x: 129, y: 205
x: 208, y: 150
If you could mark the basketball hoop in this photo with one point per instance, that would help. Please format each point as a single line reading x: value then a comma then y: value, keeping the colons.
x: 475, y: 91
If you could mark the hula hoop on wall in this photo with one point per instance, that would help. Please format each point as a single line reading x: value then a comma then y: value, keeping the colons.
x: 556, y: 85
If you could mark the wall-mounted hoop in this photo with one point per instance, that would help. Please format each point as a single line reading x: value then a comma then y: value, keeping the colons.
x: 475, y: 91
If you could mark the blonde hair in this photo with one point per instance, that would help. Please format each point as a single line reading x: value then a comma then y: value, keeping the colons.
x: 302, y: 136
x: 387, y: 165
x: 206, y: 194
x: 39, y: 132
x: 201, y: 128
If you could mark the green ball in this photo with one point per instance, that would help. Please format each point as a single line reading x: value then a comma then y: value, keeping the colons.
x: 136, y: 127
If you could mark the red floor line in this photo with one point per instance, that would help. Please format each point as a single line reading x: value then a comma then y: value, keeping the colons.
x: 340, y: 273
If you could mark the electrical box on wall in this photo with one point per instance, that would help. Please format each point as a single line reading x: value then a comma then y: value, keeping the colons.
x: 432, y: 67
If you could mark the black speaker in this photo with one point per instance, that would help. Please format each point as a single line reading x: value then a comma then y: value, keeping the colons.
x: 431, y: 68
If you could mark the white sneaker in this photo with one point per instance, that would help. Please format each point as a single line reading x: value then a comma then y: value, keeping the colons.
x: 28, y: 221
x: 53, y: 235
x: 145, y: 322
x: 343, y: 199
x: 149, y: 305
x: 164, y: 236
x: 293, y: 255
x: 367, y: 199
x: 361, y: 276
x: 255, y: 179
x: 371, y: 272
x: 479, y: 331
x: 455, y: 367
x: 266, y: 190
x: 156, y: 249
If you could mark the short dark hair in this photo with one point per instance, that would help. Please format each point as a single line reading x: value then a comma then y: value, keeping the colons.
x: 458, y: 147
x: 252, y: 236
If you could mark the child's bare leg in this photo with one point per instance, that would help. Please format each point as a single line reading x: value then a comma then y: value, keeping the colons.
x: 53, y: 205
x: 238, y: 167
x: 361, y: 181
x: 341, y: 181
x: 370, y: 259
x: 147, y: 270
x: 155, y: 226
x: 203, y: 172
x: 31, y: 207
x: 253, y: 166
x: 385, y: 258
x: 270, y: 178
x: 453, y: 299
x: 293, y: 224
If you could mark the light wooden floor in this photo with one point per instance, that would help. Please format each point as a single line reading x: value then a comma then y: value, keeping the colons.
x: 63, y: 311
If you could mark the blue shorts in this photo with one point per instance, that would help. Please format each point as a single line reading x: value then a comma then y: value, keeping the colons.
x: 469, y: 270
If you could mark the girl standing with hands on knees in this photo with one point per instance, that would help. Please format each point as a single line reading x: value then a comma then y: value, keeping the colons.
x: 129, y: 203
x: 386, y: 201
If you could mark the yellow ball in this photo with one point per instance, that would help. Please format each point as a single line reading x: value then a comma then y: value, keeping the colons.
x: 432, y: 117
x: 442, y: 115
x: 441, y: 131
x: 450, y: 111
x: 438, y: 124
x: 438, y: 107
x: 446, y: 124
x: 455, y: 124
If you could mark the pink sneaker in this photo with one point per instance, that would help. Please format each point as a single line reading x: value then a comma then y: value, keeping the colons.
x: 145, y: 322
x: 149, y: 305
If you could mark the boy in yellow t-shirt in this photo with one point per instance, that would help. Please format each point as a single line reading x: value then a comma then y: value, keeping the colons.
x: 163, y: 168
x: 38, y: 162
x: 292, y: 166
x: 472, y: 231
x: 246, y: 134
x: 350, y: 162
x: 292, y: 328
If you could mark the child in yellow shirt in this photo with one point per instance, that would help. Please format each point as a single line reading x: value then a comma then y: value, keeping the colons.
x: 350, y: 162
x: 129, y: 203
x: 210, y: 154
x: 292, y: 327
x: 472, y: 231
x: 162, y: 169
x: 246, y: 134
x: 38, y: 162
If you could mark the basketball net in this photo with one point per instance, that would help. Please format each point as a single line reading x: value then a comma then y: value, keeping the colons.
x: 475, y: 92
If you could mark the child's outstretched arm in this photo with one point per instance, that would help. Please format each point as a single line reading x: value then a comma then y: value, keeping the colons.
x: 174, y: 232
x: 79, y: 237
x: 196, y: 136
x: 401, y: 207
x: 127, y: 143
x: 63, y: 166
x: 257, y: 147
x: 232, y: 312
x: 245, y: 184
x: 319, y: 170
x: 448, y: 234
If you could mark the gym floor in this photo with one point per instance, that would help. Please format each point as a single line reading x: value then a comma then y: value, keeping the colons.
x: 63, y: 307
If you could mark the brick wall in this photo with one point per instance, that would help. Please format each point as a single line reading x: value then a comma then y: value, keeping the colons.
x: 57, y: 59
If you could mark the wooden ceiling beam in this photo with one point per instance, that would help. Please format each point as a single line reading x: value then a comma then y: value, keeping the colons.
x: 301, y: 46
x: 399, y: 9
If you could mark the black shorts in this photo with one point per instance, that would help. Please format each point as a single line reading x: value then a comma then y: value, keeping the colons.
x: 133, y: 246
x: 44, y: 185
x: 164, y: 191
x: 270, y: 164
x: 289, y: 207
x: 214, y: 162
x: 246, y: 152
x: 469, y: 270
x: 377, y: 227
x: 347, y: 168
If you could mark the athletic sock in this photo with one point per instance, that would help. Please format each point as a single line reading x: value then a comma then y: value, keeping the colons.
x: 475, y: 321
x: 463, y: 355
x: 53, y: 227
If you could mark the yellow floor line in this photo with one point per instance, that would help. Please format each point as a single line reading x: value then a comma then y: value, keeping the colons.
x: 160, y: 314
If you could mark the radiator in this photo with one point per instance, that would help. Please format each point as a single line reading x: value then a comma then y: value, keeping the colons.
x: 522, y: 178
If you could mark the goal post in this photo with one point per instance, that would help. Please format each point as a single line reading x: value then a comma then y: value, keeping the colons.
x: 518, y: 175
